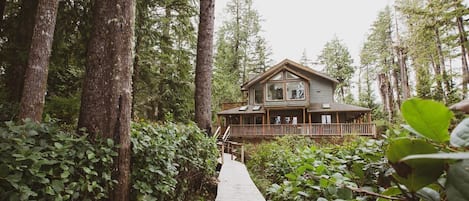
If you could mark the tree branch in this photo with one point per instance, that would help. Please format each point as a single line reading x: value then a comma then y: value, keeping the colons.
x: 359, y: 190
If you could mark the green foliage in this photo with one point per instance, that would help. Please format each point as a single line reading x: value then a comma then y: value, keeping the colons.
x: 301, y: 171
x: 420, y: 163
x: 41, y: 162
x: 414, y: 174
x: 165, y: 47
x: 428, y: 118
x: 171, y: 162
x: 338, y: 63
x: 66, y: 109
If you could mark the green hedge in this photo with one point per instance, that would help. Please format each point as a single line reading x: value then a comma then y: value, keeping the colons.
x: 171, y: 162
x: 43, y: 162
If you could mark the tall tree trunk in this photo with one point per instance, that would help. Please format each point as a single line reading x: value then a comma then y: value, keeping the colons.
x: 107, y: 91
x: 203, y: 71
x: 404, y: 75
x: 464, y: 55
x: 22, y: 42
x: 441, y: 60
x: 35, y: 82
x: 395, y: 86
x: 386, y: 95
x: 439, y: 92
x: 401, y: 59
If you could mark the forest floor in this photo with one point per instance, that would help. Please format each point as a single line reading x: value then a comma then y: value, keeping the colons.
x: 235, y: 182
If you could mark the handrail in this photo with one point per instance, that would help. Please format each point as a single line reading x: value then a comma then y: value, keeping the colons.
x: 217, y: 132
x: 226, y: 135
x: 310, y: 129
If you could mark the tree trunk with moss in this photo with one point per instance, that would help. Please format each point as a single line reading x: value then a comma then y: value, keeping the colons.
x: 203, y: 71
x: 35, y: 82
x: 107, y: 91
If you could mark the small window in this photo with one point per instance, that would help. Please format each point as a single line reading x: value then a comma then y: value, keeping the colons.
x: 243, y: 108
x: 326, y: 119
x: 258, y: 95
x: 278, y: 76
x: 291, y: 76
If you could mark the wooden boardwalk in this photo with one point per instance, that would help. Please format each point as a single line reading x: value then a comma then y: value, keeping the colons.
x: 235, y: 183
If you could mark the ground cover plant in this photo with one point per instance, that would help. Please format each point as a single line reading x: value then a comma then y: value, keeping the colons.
x: 421, y: 161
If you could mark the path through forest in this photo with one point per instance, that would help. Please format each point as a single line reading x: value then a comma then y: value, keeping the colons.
x: 235, y: 182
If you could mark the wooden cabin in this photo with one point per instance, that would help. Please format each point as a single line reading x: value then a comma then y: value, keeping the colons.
x: 292, y: 99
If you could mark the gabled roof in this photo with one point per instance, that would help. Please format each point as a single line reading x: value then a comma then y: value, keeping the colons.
x: 285, y: 64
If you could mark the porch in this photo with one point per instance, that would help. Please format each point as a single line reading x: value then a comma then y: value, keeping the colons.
x: 304, y: 129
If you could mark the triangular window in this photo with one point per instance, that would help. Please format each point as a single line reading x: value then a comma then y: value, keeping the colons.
x: 279, y: 76
x: 291, y: 76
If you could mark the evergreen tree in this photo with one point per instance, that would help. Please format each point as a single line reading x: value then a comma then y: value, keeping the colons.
x: 165, y: 49
x: 338, y: 64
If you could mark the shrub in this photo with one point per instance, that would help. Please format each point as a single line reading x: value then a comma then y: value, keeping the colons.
x: 296, y: 169
x: 41, y: 162
x: 171, y: 162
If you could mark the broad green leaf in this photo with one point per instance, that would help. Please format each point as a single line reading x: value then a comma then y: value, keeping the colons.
x: 429, y: 118
x: 391, y: 191
x: 417, y: 173
x: 454, y: 156
x: 58, y: 185
x: 457, y: 184
x: 460, y: 134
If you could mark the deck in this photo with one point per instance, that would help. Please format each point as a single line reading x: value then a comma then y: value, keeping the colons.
x: 235, y: 182
x: 313, y: 130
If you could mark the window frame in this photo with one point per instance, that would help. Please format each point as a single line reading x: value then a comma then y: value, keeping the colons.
x: 284, y: 81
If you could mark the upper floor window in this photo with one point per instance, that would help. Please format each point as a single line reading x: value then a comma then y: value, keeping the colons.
x: 285, y: 86
x: 295, y: 90
x: 291, y: 75
x: 275, y: 91
x: 258, y: 95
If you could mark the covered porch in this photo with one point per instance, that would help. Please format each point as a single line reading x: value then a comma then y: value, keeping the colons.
x: 317, y: 120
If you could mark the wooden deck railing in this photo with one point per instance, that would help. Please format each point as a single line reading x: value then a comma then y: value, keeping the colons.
x: 336, y: 129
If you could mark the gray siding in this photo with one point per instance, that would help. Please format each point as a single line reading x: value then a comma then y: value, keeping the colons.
x: 321, y: 90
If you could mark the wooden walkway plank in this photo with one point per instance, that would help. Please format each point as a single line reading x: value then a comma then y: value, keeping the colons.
x: 235, y: 183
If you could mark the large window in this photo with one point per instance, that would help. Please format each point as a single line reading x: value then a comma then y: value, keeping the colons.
x: 295, y: 90
x: 284, y: 86
x: 275, y: 91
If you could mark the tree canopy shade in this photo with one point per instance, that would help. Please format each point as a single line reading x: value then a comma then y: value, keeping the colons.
x: 203, y: 69
x: 107, y: 91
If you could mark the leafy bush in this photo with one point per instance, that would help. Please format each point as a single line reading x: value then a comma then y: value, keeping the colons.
x: 330, y: 171
x: 422, y: 162
x: 171, y: 162
x: 431, y: 164
x: 41, y: 162
x: 268, y: 162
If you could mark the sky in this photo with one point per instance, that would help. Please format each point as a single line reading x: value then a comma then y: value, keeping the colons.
x: 294, y: 26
